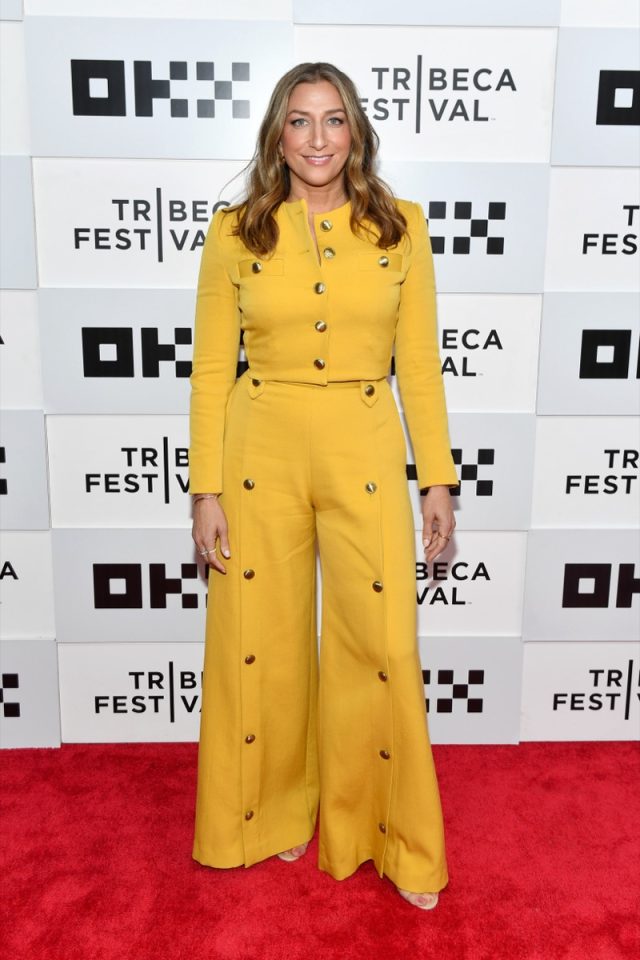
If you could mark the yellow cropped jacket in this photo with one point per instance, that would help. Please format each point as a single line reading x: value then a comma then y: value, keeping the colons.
x: 314, y: 321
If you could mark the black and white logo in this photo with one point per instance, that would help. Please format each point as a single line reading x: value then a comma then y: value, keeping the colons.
x: 473, y: 471
x: 599, y: 585
x: 201, y: 89
x: 111, y: 352
x: 410, y: 94
x: 618, y: 98
x: 134, y: 586
x: 610, y: 690
x: 10, y: 705
x: 170, y: 692
x: 606, y: 355
x: 467, y: 693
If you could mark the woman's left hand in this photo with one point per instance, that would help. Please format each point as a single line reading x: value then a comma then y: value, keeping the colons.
x: 438, y: 521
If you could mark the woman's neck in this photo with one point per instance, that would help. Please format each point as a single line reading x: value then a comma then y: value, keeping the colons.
x: 320, y: 201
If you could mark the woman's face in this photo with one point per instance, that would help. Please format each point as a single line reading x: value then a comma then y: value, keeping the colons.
x: 316, y: 137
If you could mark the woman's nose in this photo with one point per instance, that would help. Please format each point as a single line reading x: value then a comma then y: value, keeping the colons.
x: 317, y: 136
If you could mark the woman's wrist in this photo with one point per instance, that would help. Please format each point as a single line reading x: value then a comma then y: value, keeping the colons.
x: 205, y: 496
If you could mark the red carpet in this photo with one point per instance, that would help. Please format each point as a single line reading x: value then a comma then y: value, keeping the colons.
x: 542, y: 843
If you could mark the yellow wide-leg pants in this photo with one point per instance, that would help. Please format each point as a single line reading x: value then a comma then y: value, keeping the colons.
x: 285, y: 731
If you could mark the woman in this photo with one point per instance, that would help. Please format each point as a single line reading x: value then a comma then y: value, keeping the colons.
x: 320, y: 268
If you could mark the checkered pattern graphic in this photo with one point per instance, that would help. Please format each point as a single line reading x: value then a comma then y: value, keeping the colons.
x: 10, y: 708
x: 469, y: 471
x: 475, y: 232
x: 459, y: 691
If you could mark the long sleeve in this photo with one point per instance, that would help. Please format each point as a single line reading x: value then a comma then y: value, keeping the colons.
x: 418, y: 365
x: 215, y: 358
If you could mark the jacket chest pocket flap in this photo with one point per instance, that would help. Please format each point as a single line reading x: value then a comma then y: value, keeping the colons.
x: 261, y: 268
x: 383, y: 260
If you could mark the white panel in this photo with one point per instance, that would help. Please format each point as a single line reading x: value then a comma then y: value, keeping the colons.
x: 474, y: 587
x: 462, y: 12
x: 487, y: 222
x: 198, y: 9
x: 121, y: 585
x: 581, y: 691
x: 592, y: 240
x: 595, y: 13
x: 14, y: 129
x: 472, y: 685
x: 26, y: 584
x: 590, y: 354
x: 17, y: 241
x: 11, y: 9
x: 117, y: 351
x: 582, y: 585
x: 597, y: 104
x: 116, y: 88
x: 130, y: 692
x: 23, y: 471
x: 29, y: 704
x: 587, y: 472
x: 489, y: 351
x: 493, y: 454
x: 497, y: 106
x: 127, y: 223
x: 119, y: 471
x: 20, y: 371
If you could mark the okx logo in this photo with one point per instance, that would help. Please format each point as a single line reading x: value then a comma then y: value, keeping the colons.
x: 618, y: 98
x: 599, y: 585
x: 121, y: 586
x: 201, y: 89
x: 606, y: 355
x: 466, y: 693
x: 10, y: 706
x: 110, y: 352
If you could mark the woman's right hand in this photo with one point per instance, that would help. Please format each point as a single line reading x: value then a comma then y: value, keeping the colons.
x: 209, y: 523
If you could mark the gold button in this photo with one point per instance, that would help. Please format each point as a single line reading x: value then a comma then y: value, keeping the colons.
x: 382, y: 828
x: 248, y: 815
x: 321, y: 326
x: 250, y: 658
x: 319, y: 287
x: 248, y: 484
x: 248, y: 574
x: 329, y: 252
x: 256, y: 266
x: 255, y: 382
x: 250, y: 738
x: 369, y: 389
x: 382, y: 675
x: 377, y: 586
x: 319, y: 363
x: 326, y: 225
x: 385, y: 754
x: 370, y: 487
x: 383, y: 261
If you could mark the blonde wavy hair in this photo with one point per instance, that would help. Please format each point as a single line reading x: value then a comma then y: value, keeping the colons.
x: 269, y: 180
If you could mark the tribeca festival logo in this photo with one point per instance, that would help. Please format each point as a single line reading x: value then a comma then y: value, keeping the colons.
x: 599, y: 585
x: 467, y: 693
x: 606, y: 355
x: 613, y: 690
x: 204, y: 89
x: 618, y: 98
x: 447, y: 580
x: 146, y: 225
x: 408, y: 94
x: 156, y: 692
x: 137, y: 586
x: 623, y: 241
x: 622, y: 478
x: 155, y: 469
x: 470, y: 468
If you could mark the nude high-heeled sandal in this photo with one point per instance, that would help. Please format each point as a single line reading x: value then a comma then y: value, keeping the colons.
x: 294, y: 853
x: 425, y: 901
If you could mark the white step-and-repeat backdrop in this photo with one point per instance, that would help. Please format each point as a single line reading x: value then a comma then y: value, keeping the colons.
x: 517, y: 126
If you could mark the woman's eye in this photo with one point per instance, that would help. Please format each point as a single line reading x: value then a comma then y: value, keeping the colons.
x: 297, y: 122
x: 336, y: 121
